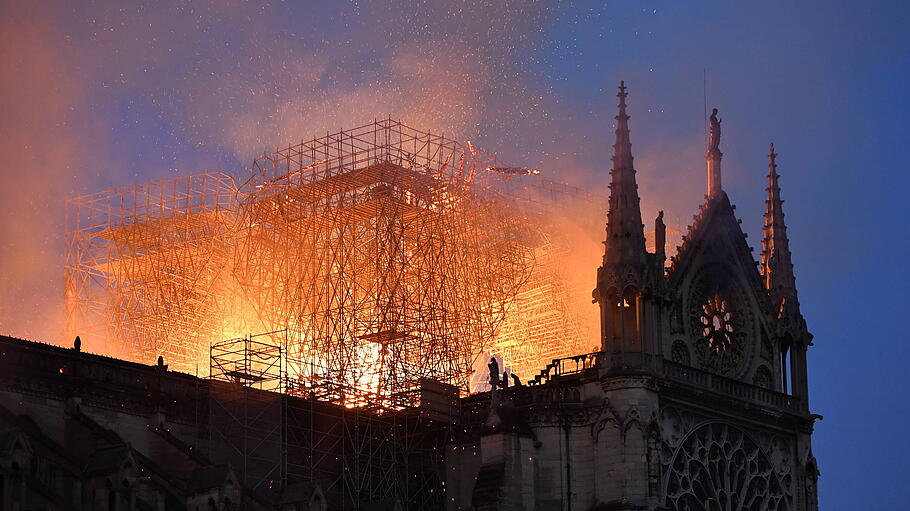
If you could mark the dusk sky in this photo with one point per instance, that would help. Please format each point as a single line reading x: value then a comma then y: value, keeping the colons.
x: 96, y: 95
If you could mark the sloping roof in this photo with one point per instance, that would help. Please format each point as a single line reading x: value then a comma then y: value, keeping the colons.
x: 38, y: 440
x: 717, y: 219
x: 298, y: 492
x: 109, y: 459
x: 10, y: 439
x: 215, y: 476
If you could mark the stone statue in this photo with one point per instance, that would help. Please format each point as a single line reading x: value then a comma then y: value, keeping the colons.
x: 517, y: 380
x: 660, y: 234
x: 494, y: 373
x: 714, y: 139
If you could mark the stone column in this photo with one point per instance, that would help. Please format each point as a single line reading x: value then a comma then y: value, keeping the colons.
x: 506, y: 478
x: 623, y: 462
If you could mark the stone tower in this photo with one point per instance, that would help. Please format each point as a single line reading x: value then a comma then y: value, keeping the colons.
x: 698, y: 398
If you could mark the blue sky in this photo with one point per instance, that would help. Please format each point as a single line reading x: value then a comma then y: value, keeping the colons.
x: 99, y: 95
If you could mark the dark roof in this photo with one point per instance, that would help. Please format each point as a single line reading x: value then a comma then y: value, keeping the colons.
x: 214, y: 476
x: 298, y: 492
x: 38, y: 440
x: 109, y: 459
x: 8, y: 440
x: 67, y: 350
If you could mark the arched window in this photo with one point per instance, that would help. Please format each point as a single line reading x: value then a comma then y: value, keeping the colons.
x: 622, y: 317
x: 785, y: 369
x: 630, y: 321
x: 615, y: 320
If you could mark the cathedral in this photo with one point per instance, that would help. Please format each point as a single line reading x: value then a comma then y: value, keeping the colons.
x: 697, y: 400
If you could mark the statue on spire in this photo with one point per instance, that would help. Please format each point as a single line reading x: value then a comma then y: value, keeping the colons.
x: 713, y: 156
x: 714, y: 140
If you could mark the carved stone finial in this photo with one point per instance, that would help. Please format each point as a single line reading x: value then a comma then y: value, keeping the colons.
x: 77, y: 344
x: 160, y: 361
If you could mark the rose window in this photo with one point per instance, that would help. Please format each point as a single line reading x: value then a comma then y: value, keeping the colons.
x: 718, y: 324
x: 719, y: 468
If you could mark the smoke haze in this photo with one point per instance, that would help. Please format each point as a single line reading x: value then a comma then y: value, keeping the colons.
x: 97, y: 95
x: 105, y: 96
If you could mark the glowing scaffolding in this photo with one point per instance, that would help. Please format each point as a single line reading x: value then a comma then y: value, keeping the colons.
x: 145, y: 266
x: 386, y: 253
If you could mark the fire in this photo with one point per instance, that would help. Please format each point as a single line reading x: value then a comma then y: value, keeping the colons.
x: 383, y: 253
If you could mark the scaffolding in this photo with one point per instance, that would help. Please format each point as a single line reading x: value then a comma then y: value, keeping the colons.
x: 387, y: 254
x: 145, y: 267
x: 247, y: 409
x: 385, y: 261
x: 552, y: 315
x: 274, y: 433
x: 370, y: 455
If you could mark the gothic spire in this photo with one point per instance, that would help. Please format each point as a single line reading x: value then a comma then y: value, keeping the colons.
x: 776, y: 260
x: 622, y: 149
x: 625, y: 232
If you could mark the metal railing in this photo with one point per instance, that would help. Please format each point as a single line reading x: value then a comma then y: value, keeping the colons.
x: 568, y: 365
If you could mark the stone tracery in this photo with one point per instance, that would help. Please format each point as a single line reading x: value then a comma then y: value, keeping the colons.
x: 718, y: 467
x: 720, y: 322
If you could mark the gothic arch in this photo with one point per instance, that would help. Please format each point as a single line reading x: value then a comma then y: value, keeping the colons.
x: 652, y: 458
x: 608, y: 414
x: 633, y: 417
x: 718, y: 466
x: 634, y: 449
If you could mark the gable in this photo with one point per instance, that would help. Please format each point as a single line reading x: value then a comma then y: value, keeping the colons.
x: 720, y: 309
x: 716, y: 237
